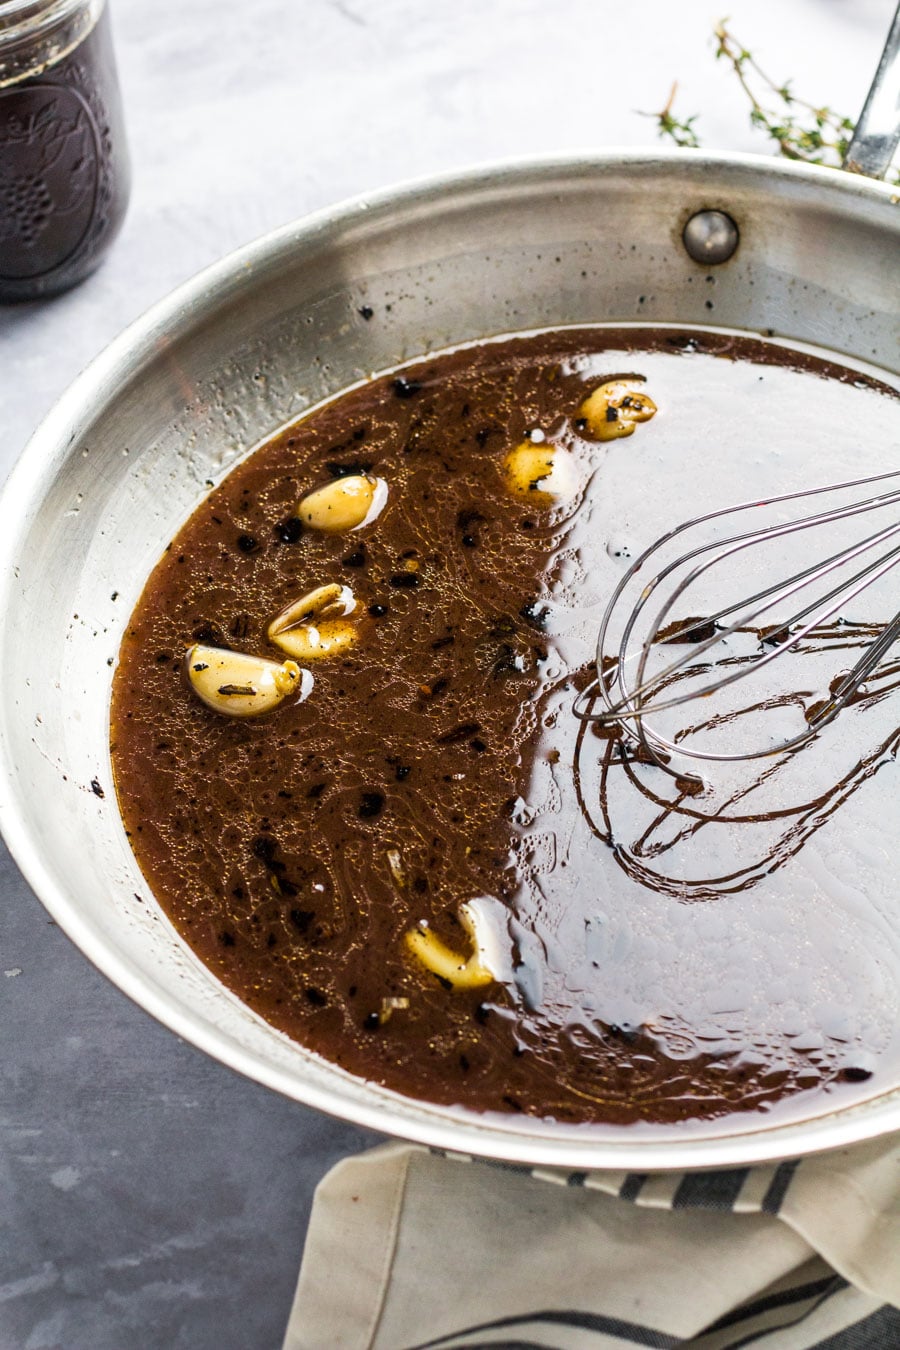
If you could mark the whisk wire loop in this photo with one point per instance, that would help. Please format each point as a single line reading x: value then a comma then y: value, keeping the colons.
x: 845, y: 591
x: 629, y: 703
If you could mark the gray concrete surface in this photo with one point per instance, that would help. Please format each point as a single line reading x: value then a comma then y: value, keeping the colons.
x: 151, y: 1197
x: 148, y: 1196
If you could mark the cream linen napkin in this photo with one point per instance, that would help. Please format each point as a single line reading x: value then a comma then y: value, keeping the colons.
x: 410, y: 1249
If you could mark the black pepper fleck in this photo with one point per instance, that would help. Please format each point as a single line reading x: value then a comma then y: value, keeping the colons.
x: 356, y: 469
x: 854, y: 1074
x: 264, y: 848
x: 460, y: 733
x: 210, y: 633
x: 483, y: 434
x: 534, y: 612
x: 288, y: 531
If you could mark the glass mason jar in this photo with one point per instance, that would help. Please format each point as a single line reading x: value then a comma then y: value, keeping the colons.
x: 64, y: 173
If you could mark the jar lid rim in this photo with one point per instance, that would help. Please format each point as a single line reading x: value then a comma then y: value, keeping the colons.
x: 41, y: 30
x: 23, y: 12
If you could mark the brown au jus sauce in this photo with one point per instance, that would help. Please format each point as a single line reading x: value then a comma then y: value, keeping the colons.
x: 661, y: 958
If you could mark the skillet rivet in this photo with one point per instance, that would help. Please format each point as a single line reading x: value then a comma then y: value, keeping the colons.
x: 710, y: 237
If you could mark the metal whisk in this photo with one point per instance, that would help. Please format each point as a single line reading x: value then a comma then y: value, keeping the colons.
x: 728, y: 645
x: 640, y: 677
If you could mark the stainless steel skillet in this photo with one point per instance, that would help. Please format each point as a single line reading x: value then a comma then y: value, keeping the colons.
x: 250, y: 343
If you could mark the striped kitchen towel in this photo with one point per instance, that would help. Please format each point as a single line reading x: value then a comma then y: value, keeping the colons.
x: 414, y: 1250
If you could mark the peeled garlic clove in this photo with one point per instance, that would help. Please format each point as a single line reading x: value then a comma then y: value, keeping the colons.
x: 462, y: 972
x: 325, y: 602
x: 614, y: 409
x: 240, y: 685
x: 316, y: 625
x: 343, y: 505
x: 313, y: 642
x: 540, y: 472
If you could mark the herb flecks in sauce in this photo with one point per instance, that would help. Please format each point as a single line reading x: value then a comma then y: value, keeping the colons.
x: 655, y: 958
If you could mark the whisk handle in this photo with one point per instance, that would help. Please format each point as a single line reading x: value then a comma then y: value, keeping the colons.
x: 878, y: 130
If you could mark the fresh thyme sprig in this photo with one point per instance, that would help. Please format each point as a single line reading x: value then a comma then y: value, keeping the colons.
x: 682, y: 133
x: 816, y: 134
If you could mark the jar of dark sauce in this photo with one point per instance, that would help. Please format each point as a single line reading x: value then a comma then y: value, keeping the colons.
x: 64, y: 174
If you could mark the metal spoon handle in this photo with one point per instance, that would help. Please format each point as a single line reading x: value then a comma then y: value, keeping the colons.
x: 878, y: 129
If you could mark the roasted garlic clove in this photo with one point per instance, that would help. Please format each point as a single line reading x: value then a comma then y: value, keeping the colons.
x: 343, y: 505
x: 462, y: 972
x: 240, y: 685
x: 541, y: 472
x: 615, y: 408
x: 316, y: 625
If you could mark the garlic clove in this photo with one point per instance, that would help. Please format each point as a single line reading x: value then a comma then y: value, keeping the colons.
x: 343, y: 505
x: 614, y: 409
x: 540, y: 472
x: 461, y: 971
x: 239, y: 685
x: 316, y: 625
